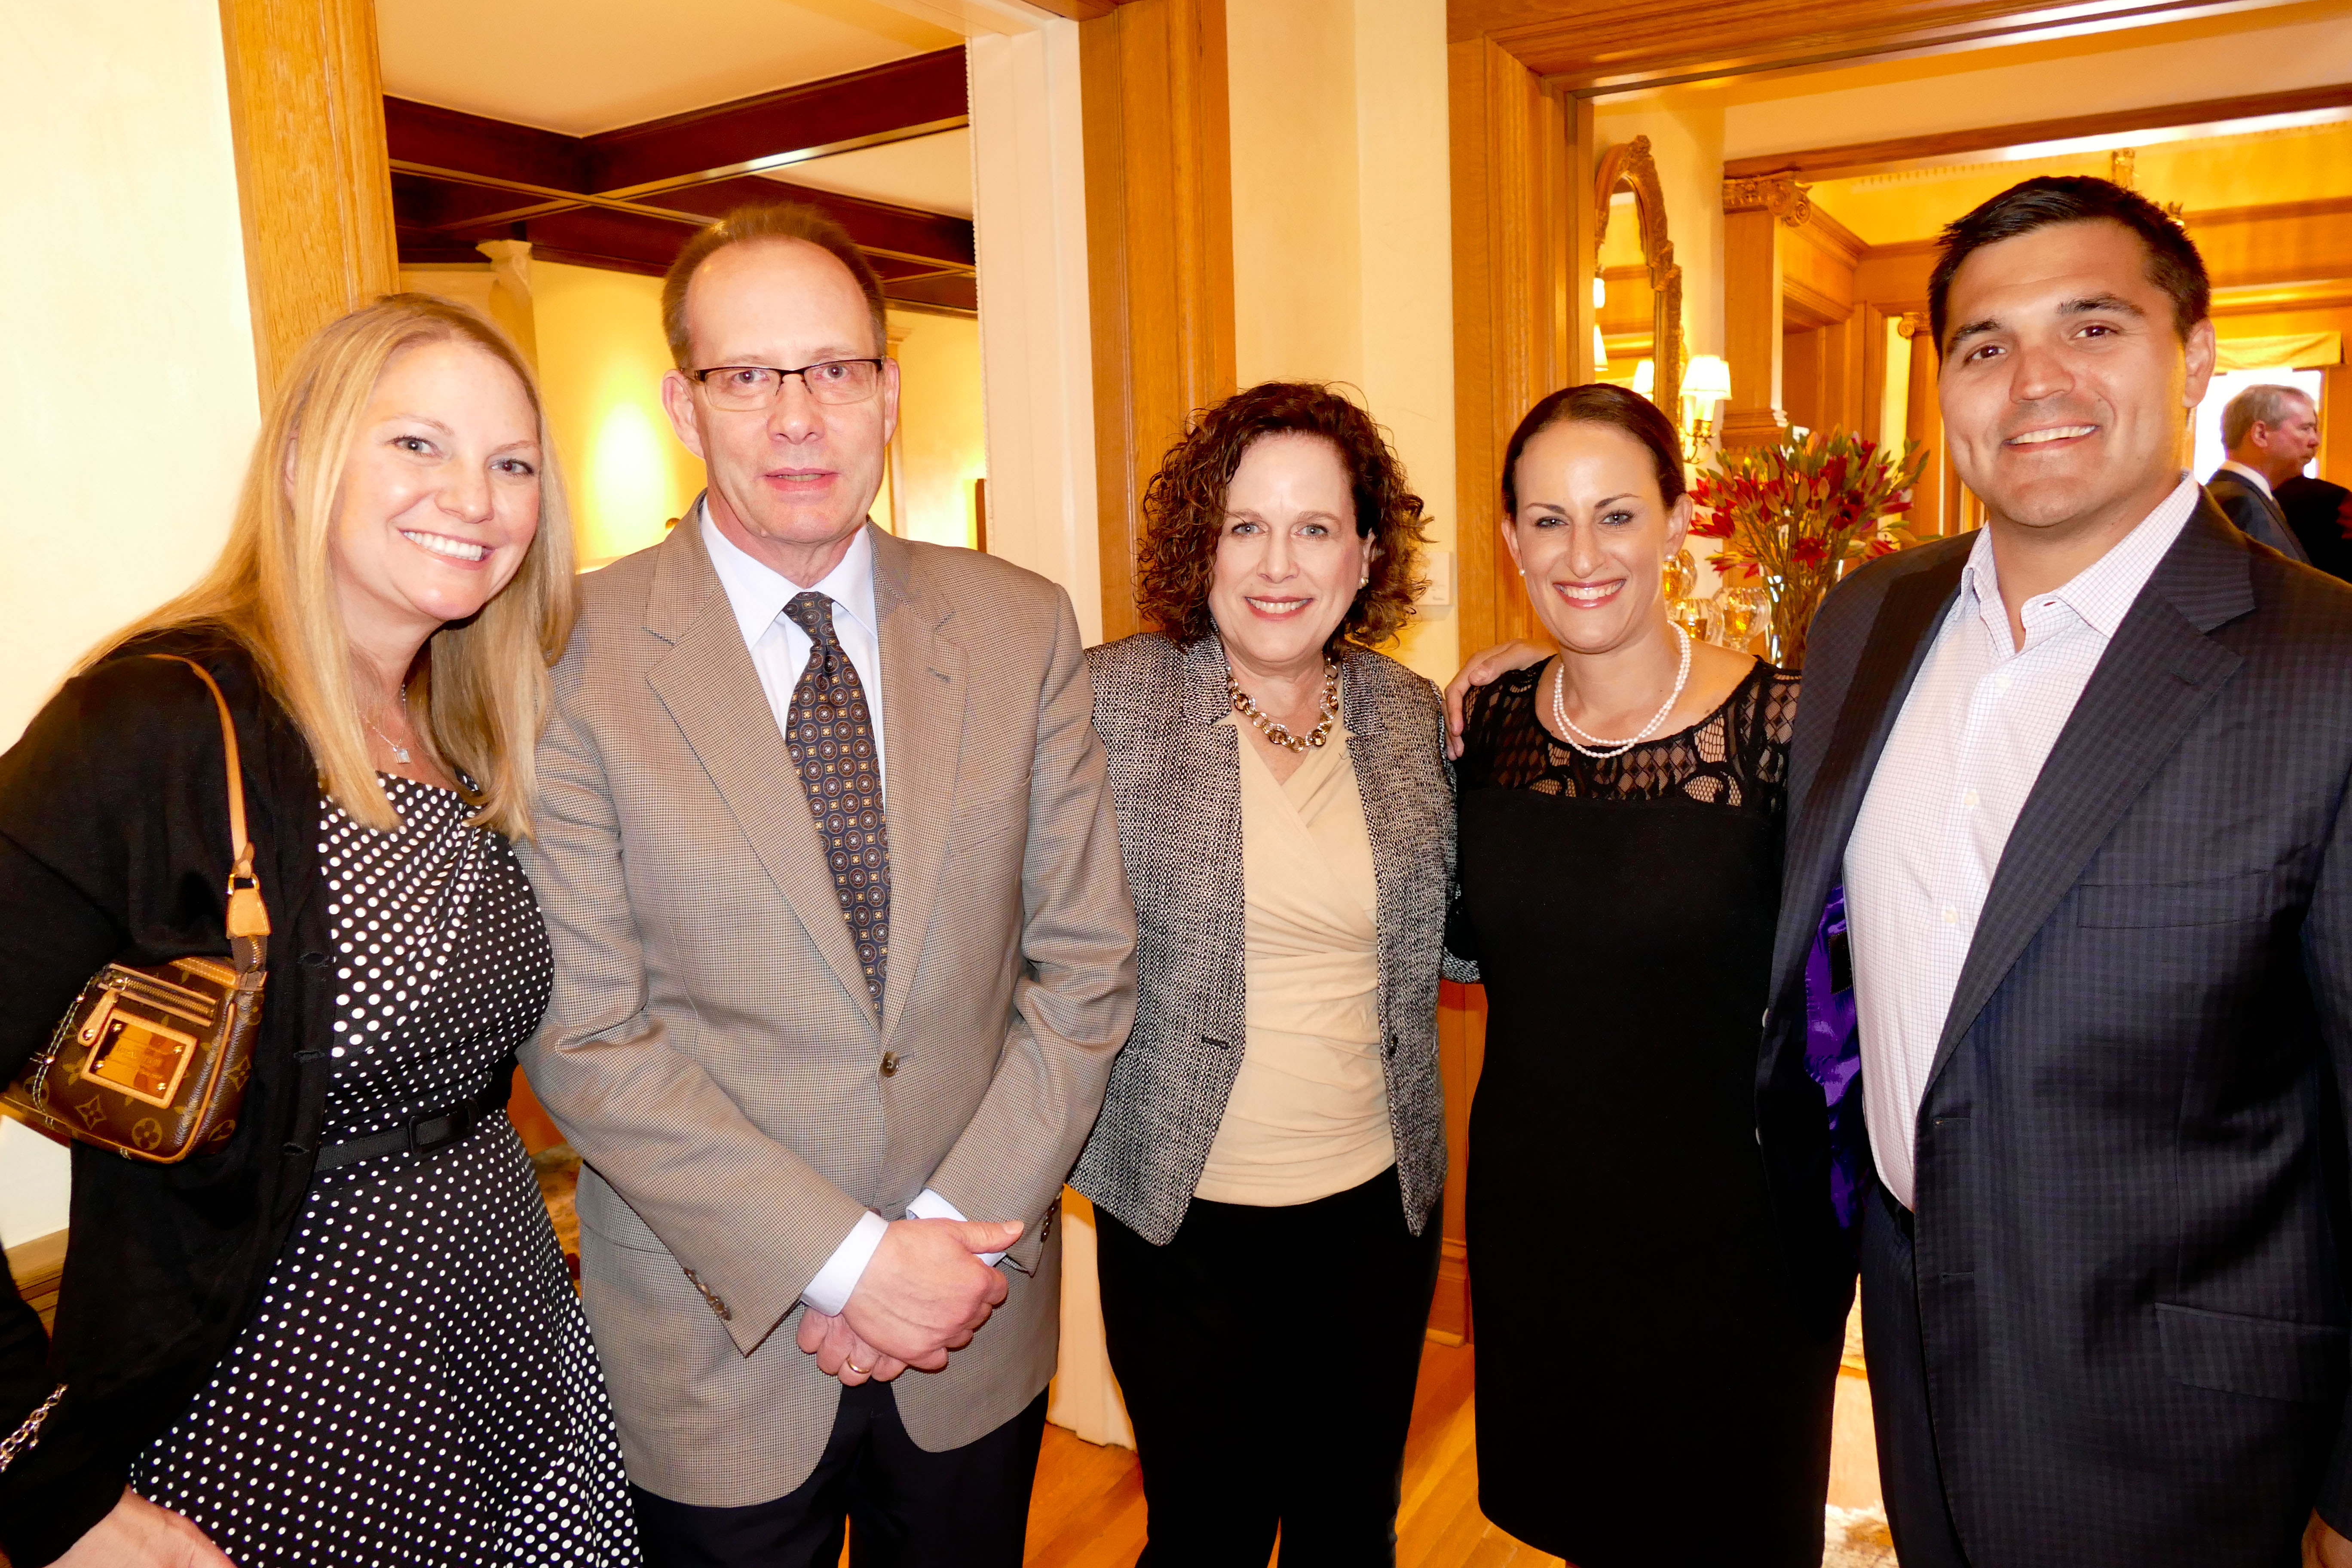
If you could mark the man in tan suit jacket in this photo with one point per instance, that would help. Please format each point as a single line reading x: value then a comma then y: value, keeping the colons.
x: 844, y: 951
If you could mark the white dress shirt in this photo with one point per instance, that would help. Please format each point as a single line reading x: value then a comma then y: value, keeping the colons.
x: 2254, y: 477
x: 758, y: 594
x: 1974, y: 731
x: 780, y: 650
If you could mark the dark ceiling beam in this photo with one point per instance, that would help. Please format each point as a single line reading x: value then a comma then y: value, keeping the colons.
x: 1081, y: 10
x: 627, y: 199
x: 450, y: 138
x: 890, y: 102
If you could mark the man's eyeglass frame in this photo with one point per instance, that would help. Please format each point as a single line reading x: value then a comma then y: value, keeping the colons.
x: 702, y: 377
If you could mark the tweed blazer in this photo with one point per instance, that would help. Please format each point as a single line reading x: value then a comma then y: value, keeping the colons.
x: 1176, y: 775
x: 711, y: 1049
x: 2131, y: 1200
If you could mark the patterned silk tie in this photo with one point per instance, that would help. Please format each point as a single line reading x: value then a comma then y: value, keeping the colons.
x: 830, y: 738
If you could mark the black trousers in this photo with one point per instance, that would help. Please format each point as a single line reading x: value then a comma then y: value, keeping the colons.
x: 1268, y: 1358
x: 1909, y: 1473
x: 901, y: 1507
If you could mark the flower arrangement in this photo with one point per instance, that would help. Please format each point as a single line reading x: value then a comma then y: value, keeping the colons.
x: 1793, y: 513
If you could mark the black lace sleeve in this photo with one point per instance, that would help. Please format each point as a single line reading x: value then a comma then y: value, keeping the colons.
x: 1775, y: 719
x: 1736, y: 756
x: 1488, y: 729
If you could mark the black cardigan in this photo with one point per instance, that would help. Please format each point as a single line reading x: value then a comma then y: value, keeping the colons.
x: 114, y: 845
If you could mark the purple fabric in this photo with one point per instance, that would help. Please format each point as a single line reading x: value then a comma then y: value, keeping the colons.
x: 1833, y: 1059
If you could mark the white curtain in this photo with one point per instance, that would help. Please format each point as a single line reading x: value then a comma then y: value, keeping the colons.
x: 1085, y: 1396
x: 2294, y: 351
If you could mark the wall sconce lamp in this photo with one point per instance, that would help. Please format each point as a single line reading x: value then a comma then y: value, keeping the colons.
x: 1706, y: 383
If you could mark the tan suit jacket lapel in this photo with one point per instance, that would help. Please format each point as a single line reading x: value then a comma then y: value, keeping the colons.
x: 715, y: 698
x: 923, y: 694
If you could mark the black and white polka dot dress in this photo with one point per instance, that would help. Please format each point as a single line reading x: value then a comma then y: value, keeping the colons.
x: 419, y: 1386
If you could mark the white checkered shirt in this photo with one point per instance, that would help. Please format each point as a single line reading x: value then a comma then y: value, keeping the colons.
x: 1975, y: 728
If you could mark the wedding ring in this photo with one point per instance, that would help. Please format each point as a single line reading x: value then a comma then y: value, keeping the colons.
x: 860, y: 1370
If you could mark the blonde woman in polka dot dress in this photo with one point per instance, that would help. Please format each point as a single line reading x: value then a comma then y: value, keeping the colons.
x: 348, y: 1338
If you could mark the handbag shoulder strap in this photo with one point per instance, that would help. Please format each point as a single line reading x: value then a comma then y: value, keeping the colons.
x: 248, y: 917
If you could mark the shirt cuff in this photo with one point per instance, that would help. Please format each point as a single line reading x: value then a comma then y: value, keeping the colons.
x: 928, y: 1204
x: 830, y: 1291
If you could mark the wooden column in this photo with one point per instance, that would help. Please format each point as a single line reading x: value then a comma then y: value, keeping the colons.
x: 2336, y: 429
x: 1753, y: 210
x: 1523, y: 318
x: 1461, y: 1052
x: 1160, y: 253
x: 1583, y: 245
x: 305, y: 104
x: 1513, y: 315
x: 1923, y: 423
x: 1870, y: 326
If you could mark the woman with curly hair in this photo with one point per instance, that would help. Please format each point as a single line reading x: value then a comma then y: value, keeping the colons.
x: 1268, y: 1163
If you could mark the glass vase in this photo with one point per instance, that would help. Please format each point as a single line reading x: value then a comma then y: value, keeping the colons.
x: 1793, y: 603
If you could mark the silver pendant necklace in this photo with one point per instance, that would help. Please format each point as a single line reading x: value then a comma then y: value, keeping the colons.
x: 398, y: 750
x: 1592, y: 745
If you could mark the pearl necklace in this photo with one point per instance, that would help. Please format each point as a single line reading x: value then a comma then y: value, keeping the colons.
x: 1247, y: 706
x: 1585, y: 742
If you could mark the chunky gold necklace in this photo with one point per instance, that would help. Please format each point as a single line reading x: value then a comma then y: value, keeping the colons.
x: 1247, y: 706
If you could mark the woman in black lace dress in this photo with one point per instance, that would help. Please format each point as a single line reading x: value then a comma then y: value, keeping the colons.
x: 1645, y: 1393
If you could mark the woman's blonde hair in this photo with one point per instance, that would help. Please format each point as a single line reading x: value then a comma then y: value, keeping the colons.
x: 483, y: 697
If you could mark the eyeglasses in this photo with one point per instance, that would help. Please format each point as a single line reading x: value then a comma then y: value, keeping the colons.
x: 749, y: 388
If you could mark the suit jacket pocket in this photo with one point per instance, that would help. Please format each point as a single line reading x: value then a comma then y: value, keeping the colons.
x: 2269, y: 1358
x: 979, y: 822
x: 2206, y: 902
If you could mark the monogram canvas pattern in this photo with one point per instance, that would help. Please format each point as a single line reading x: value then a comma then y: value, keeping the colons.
x: 832, y: 742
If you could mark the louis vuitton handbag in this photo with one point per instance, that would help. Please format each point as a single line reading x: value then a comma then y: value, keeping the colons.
x: 152, y: 1062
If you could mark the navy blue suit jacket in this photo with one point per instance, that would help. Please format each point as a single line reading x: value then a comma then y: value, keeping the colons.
x: 2132, y: 1212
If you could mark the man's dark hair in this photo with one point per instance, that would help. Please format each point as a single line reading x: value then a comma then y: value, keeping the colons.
x: 2173, y: 263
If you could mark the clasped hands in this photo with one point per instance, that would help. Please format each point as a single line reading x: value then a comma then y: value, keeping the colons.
x: 924, y: 1294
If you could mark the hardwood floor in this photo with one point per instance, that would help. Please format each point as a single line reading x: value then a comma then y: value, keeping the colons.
x: 1088, y: 1511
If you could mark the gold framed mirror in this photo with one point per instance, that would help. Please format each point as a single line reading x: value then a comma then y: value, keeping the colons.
x: 1638, y: 303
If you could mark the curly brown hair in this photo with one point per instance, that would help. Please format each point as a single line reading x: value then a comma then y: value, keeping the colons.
x: 1184, y: 509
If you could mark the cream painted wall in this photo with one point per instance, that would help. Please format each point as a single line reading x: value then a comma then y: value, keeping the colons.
x: 1298, y: 289
x: 602, y: 358
x: 1342, y: 259
x: 128, y: 403
x: 942, y: 442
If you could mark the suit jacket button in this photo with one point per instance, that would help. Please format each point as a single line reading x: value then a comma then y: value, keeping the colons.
x: 890, y: 1064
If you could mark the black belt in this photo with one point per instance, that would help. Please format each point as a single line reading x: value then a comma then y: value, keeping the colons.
x: 420, y: 1134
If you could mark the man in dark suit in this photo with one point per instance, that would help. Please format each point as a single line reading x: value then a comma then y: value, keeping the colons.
x: 2271, y: 432
x: 2069, y: 880
x: 2320, y: 514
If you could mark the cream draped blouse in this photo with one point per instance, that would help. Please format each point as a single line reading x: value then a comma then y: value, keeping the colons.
x: 1308, y: 1115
